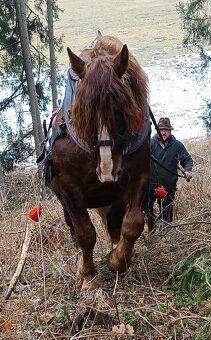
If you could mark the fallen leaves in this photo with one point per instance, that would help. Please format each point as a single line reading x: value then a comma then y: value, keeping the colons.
x: 5, y: 326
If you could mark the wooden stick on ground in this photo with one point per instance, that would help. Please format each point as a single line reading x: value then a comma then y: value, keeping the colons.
x: 21, y: 262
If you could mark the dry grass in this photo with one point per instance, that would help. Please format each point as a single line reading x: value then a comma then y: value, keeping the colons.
x: 140, y: 304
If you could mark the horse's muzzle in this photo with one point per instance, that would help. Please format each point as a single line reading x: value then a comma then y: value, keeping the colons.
x: 109, y: 178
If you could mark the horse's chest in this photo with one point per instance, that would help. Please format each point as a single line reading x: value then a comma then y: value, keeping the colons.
x: 100, y: 195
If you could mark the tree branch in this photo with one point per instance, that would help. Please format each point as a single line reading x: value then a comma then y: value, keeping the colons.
x: 21, y: 263
x: 6, y: 47
x: 5, y: 102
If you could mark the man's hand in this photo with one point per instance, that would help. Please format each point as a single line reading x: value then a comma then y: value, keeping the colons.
x: 188, y: 175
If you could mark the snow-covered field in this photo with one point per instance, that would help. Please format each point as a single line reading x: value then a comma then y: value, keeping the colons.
x: 180, y: 93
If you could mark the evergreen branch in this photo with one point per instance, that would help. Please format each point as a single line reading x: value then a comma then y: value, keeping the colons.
x: 193, y: 6
x: 46, y: 59
x: 31, y: 11
x: 7, y: 101
x: 3, y: 3
x: 6, y: 47
x: 39, y: 53
x: 35, y: 14
x: 177, y: 268
x: 205, y: 18
x: 14, y: 144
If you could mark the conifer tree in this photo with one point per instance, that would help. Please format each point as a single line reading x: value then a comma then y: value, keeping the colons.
x: 196, y: 24
x: 13, y: 71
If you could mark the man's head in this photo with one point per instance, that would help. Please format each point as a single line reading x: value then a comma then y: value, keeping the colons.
x: 165, y: 127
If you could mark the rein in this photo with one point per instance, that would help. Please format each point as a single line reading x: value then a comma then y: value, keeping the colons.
x: 156, y: 126
x: 170, y: 171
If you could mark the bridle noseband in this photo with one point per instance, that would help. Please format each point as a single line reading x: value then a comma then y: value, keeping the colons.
x: 122, y: 142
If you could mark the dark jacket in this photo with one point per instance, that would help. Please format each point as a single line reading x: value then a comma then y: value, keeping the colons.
x: 171, y: 156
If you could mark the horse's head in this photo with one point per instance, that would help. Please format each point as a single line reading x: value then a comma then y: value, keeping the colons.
x: 105, y: 111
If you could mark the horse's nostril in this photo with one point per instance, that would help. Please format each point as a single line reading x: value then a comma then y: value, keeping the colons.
x: 119, y: 173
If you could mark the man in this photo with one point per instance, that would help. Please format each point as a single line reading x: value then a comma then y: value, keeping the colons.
x: 170, y: 153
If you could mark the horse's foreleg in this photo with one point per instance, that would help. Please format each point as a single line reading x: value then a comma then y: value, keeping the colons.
x: 133, y: 222
x: 119, y: 258
x: 86, y: 239
x: 67, y: 217
x: 114, y: 221
x: 70, y: 225
x: 83, y: 233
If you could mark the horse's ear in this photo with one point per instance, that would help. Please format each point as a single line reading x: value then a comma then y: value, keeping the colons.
x: 78, y: 65
x: 121, y: 62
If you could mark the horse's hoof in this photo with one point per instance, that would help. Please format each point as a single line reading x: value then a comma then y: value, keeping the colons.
x: 89, y: 284
x: 117, y: 265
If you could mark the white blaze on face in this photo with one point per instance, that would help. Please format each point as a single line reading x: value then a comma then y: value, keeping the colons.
x: 106, y: 162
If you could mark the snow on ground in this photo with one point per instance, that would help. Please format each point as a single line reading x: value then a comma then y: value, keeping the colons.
x: 178, y: 92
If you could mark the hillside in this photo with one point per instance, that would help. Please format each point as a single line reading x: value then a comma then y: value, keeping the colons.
x: 164, y: 295
x: 153, y: 33
x: 152, y: 29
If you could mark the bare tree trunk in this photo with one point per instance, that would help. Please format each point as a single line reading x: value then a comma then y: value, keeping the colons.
x: 52, y: 52
x: 25, y: 44
x: 3, y: 195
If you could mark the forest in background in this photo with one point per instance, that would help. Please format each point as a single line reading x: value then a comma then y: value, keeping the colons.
x: 166, y: 293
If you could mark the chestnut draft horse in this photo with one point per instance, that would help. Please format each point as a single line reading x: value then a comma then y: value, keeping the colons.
x: 101, y: 152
